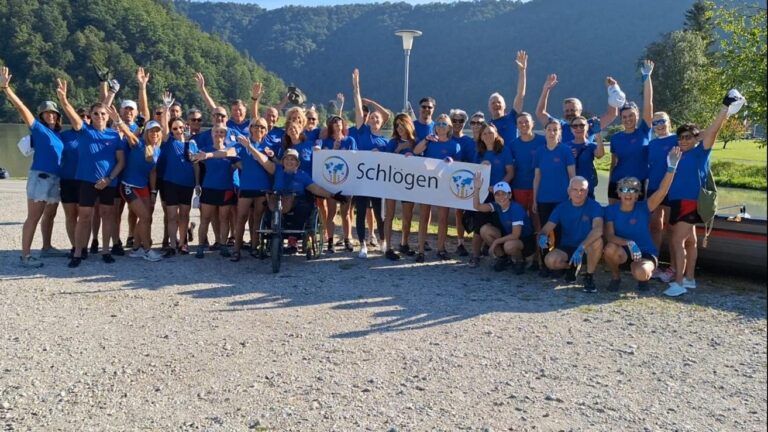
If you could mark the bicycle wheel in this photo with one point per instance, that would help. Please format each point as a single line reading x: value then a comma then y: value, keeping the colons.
x: 276, y: 252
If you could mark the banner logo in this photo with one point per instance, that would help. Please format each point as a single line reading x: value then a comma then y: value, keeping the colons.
x: 335, y: 170
x: 462, y: 184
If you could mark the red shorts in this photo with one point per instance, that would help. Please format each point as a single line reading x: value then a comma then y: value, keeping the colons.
x: 130, y: 193
x: 524, y: 197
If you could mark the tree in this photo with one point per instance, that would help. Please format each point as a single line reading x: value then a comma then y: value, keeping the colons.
x: 733, y: 129
x: 699, y: 19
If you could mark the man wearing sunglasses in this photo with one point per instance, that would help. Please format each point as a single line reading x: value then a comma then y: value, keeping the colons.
x: 424, y: 125
x: 506, y: 124
x: 239, y: 120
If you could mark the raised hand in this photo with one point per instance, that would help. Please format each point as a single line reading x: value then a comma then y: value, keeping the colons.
x: 521, y: 59
x: 114, y: 115
x: 673, y: 157
x: 200, y: 80
x: 594, y: 125
x: 478, y: 180
x: 646, y: 67
x: 168, y: 99
x: 243, y: 140
x: 142, y: 77
x: 550, y: 82
x: 340, y: 98
x: 114, y: 86
x: 5, y: 76
x: 609, y: 81
x: 256, y: 90
x: 356, y: 79
x: 61, y: 88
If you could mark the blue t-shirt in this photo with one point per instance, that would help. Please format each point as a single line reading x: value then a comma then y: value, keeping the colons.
x: 553, y: 164
x: 584, y: 156
x: 632, y: 151
x: 633, y: 225
x: 242, y: 127
x: 524, y: 157
x: 137, y: 168
x: 468, y: 149
x: 69, y: 154
x: 305, y: 149
x: 48, y: 149
x: 295, y: 183
x: 691, y: 174
x: 366, y: 140
x: 253, y: 176
x: 218, y: 174
x: 514, y: 215
x: 312, y: 135
x: 274, y: 138
x: 567, y: 132
x: 393, y: 144
x: 499, y: 162
x: 96, y: 153
x: 204, y: 142
x: 658, y: 149
x: 507, y: 126
x: 575, y: 222
x: 179, y: 169
x: 423, y: 129
x: 442, y: 150
x: 346, y: 143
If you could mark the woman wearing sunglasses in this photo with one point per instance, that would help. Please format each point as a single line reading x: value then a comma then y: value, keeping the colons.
x: 628, y: 241
x: 585, y: 151
x: 337, y: 140
x: 442, y: 146
x: 402, y: 142
x: 467, y: 153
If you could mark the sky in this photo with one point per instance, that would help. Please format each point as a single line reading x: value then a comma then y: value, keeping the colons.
x: 274, y: 4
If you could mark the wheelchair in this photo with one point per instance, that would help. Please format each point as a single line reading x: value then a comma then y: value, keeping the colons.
x: 275, y: 227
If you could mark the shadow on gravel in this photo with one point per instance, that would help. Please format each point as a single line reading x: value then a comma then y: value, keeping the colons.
x: 400, y: 296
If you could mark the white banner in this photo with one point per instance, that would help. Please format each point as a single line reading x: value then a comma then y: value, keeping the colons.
x: 394, y: 176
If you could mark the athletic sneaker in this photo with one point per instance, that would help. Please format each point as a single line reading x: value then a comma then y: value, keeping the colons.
x: 224, y: 251
x: 52, y: 252
x: 589, y: 283
x: 348, y: 245
x: 614, y: 284
x: 461, y: 250
x: 570, y: 274
x: 216, y: 246
x: 169, y: 253
x: 363, y: 252
x: 373, y: 242
x: 83, y: 253
x: 31, y: 262
x: 117, y: 249
x: 501, y: 263
x: 391, y: 255
x: 419, y: 257
x: 136, y: 253
x: 129, y: 242
x: 474, y: 262
x: 329, y: 249
x: 443, y: 255
x: 519, y: 267
x: 406, y: 250
x: 427, y: 247
x: 74, y: 262
x: 152, y: 256
x: 200, y: 253
x: 94, y: 246
x: 689, y: 283
x: 674, y: 290
x: 341, y: 242
x: 107, y: 258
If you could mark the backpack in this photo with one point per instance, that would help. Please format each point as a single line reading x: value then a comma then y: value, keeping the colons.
x: 706, y: 205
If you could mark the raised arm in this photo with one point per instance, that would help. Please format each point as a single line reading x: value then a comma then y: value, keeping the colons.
x: 610, y: 113
x: 600, y: 150
x: 709, y: 136
x: 377, y: 107
x: 24, y: 112
x: 356, y: 96
x: 340, y: 103
x: 209, y: 102
x: 69, y: 111
x: 166, y: 116
x: 522, y: 66
x: 646, y: 69
x: 143, y: 78
x: 478, y: 183
x: 541, y: 107
x: 658, y: 197
x: 121, y: 126
x: 256, y: 92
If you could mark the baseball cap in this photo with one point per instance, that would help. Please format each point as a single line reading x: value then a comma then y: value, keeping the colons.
x: 48, y: 106
x: 151, y: 125
x: 502, y: 186
x: 291, y: 152
x: 128, y: 104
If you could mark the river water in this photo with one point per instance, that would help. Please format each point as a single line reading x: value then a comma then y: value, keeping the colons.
x: 755, y: 201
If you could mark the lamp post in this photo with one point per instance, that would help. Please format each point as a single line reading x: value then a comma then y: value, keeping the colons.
x: 407, y: 36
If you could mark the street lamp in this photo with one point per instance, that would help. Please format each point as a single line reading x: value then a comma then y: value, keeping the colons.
x: 407, y: 36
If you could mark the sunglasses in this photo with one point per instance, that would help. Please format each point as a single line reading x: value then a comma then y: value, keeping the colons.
x: 178, y: 128
x: 441, y: 124
x: 457, y: 121
x: 628, y: 190
x: 686, y: 137
x: 258, y: 127
x: 311, y: 118
x: 219, y: 115
x: 85, y: 116
x: 578, y: 125
x: 476, y: 123
x: 158, y: 113
x: 196, y: 120
x: 99, y: 114
x: 427, y: 107
x: 659, y: 122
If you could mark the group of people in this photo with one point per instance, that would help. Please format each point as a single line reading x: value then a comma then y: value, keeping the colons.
x: 540, y: 214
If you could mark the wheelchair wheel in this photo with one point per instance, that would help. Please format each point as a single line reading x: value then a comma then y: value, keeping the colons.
x: 276, y: 252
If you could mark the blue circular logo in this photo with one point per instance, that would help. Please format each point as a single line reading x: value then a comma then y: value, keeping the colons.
x: 335, y: 170
x: 462, y: 183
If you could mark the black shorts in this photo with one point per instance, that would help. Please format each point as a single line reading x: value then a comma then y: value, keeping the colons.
x: 684, y: 211
x: 482, y: 218
x: 88, y: 195
x: 529, y: 245
x: 545, y: 211
x: 250, y: 193
x: 177, y: 194
x: 218, y: 197
x: 160, y: 185
x: 612, y: 193
x: 644, y: 255
x: 70, y: 191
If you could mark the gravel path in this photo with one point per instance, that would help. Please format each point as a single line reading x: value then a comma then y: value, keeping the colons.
x: 342, y: 344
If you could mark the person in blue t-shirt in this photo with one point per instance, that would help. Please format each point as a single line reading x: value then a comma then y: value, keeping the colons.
x: 70, y: 186
x: 439, y: 146
x: 337, y: 140
x: 239, y: 120
x: 506, y: 123
x: 402, y: 142
x: 629, y: 148
x: 424, y: 126
x: 585, y: 151
x: 311, y: 128
x: 182, y: 178
x: 508, y: 233
x: 274, y: 138
x: 627, y: 228
x: 580, y: 220
x: 555, y: 167
x: 467, y: 153
x: 692, y: 173
x: 43, y: 193
x: 523, y: 150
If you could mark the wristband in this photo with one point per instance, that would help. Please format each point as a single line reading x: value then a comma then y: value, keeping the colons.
x: 671, y: 169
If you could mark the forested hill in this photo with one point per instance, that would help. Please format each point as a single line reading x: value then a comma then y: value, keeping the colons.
x: 44, y: 40
x: 467, y: 50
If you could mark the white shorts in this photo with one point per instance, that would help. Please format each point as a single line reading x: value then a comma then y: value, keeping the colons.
x: 43, y: 186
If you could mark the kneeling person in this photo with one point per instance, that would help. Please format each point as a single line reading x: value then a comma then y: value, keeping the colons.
x: 510, y: 233
x: 581, y: 230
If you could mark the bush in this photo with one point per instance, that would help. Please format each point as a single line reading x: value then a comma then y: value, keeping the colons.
x: 734, y: 174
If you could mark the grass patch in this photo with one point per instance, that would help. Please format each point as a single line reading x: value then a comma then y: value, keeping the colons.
x: 739, y: 175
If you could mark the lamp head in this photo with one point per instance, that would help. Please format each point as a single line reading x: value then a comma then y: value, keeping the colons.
x: 408, y: 36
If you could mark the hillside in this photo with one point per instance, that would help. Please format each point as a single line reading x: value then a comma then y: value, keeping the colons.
x: 44, y: 40
x: 466, y: 51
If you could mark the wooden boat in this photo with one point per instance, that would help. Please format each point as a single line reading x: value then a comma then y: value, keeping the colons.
x: 738, y: 245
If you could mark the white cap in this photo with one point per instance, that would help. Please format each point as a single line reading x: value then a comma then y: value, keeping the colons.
x: 129, y: 104
x: 502, y: 186
x: 616, y: 97
x: 735, y: 106
x: 291, y: 152
x: 151, y: 125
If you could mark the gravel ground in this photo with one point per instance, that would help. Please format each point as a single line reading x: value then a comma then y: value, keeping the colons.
x: 343, y: 344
